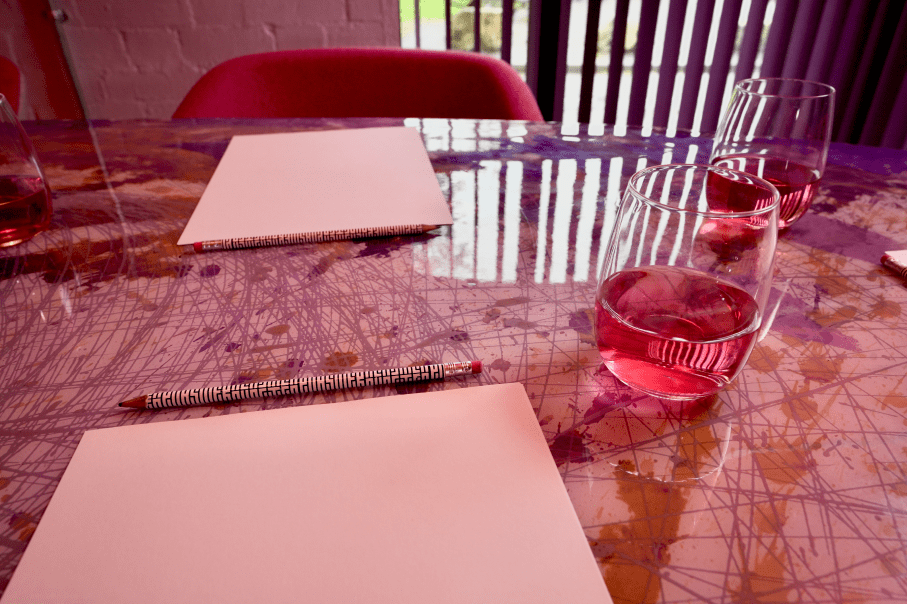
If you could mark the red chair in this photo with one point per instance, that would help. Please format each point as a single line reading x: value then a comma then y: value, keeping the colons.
x: 362, y: 82
x: 9, y: 82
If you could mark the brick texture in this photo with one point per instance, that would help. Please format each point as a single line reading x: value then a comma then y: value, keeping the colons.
x: 138, y: 59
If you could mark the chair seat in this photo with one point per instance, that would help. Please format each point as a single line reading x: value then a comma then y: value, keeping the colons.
x: 361, y: 82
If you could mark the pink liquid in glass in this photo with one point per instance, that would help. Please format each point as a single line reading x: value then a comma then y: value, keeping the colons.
x: 795, y: 182
x: 674, y: 333
x: 24, y: 208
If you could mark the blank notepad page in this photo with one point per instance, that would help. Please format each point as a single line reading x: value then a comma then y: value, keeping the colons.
x: 444, y: 497
x: 312, y: 182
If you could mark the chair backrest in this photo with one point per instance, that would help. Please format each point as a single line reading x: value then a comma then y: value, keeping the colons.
x: 362, y: 82
x: 9, y: 82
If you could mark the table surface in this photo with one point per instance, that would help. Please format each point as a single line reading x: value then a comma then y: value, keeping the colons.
x: 788, y: 486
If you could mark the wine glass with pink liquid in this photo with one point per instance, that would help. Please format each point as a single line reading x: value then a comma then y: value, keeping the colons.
x: 778, y: 129
x: 24, y: 195
x: 685, y: 281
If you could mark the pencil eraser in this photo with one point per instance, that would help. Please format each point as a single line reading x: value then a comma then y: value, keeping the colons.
x: 197, y: 246
x: 477, y: 366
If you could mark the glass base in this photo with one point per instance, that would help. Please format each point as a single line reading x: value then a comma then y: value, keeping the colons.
x: 16, y: 236
x: 663, y: 382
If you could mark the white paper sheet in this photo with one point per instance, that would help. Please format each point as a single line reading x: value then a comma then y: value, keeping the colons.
x: 443, y: 497
x: 308, y: 182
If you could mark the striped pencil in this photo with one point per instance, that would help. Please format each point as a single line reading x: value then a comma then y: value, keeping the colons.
x: 318, y: 237
x: 321, y: 383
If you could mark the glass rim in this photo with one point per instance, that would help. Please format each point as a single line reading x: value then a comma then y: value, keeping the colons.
x: 634, y: 190
x: 742, y: 86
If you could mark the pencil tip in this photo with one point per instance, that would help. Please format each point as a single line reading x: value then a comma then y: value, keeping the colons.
x: 135, y: 403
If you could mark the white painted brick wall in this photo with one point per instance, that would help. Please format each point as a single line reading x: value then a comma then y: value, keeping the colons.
x: 138, y: 58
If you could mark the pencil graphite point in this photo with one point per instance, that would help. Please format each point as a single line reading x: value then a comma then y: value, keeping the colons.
x: 135, y: 403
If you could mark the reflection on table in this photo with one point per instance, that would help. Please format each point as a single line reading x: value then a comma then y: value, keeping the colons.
x: 788, y: 486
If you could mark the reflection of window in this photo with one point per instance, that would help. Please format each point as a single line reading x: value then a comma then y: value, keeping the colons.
x: 562, y: 210
x: 475, y: 248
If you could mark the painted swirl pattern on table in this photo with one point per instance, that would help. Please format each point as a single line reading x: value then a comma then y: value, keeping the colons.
x: 789, y: 486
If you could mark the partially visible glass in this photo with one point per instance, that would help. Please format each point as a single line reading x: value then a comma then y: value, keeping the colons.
x: 24, y: 195
x: 778, y: 129
x: 686, y: 279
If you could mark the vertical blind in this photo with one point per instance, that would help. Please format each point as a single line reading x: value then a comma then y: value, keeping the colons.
x: 670, y: 64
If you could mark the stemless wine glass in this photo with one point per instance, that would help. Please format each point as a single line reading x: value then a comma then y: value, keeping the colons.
x: 778, y: 129
x: 24, y: 195
x: 686, y: 278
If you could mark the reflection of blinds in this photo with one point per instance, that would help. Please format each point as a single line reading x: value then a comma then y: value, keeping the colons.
x: 512, y: 197
x: 564, y: 218
x: 592, y: 184
x: 542, y: 236
x: 612, y: 199
x: 560, y: 228
x: 474, y: 248
x: 463, y: 231
x: 489, y: 179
